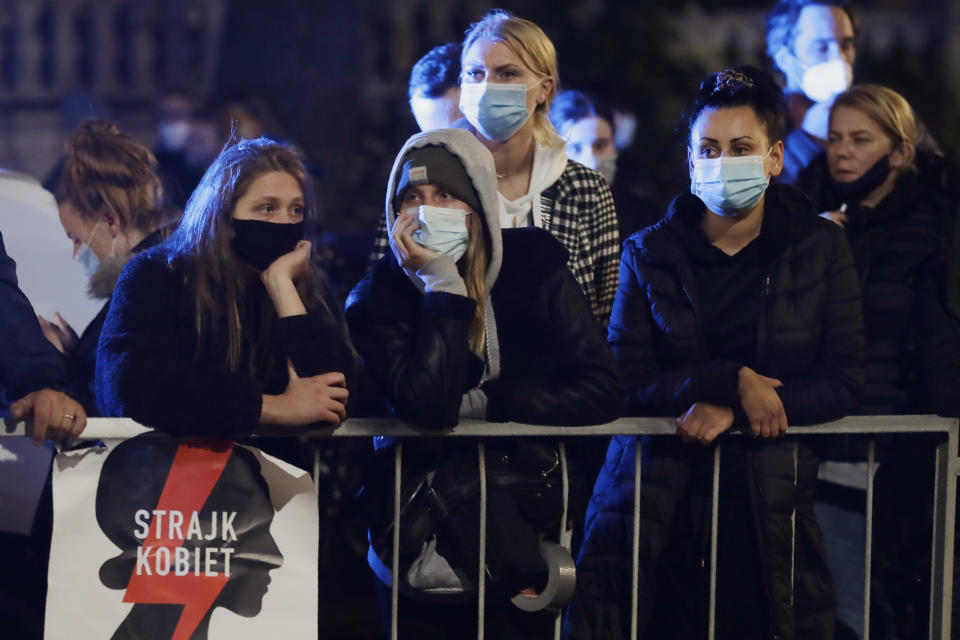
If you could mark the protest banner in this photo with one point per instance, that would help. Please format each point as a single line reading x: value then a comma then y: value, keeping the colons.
x: 164, y: 538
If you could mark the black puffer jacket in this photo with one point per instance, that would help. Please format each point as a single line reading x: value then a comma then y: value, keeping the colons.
x: 810, y: 337
x: 556, y: 367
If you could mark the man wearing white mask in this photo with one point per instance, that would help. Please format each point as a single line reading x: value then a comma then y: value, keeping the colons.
x: 812, y: 42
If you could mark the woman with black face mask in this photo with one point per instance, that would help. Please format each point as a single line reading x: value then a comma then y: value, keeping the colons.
x: 228, y: 325
x: 899, y: 229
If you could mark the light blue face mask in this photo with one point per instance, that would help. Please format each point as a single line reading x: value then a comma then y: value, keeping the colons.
x: 497, y: 110
x: 86, y: 258
x: 441, y: 229
x: 729, y: 186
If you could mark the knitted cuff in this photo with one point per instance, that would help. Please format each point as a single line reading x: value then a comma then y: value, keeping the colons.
x: 441, y: 275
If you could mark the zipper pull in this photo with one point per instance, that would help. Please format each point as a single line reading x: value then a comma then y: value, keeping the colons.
x: 766, y: 284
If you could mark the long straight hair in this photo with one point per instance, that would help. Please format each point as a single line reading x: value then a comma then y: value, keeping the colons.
x: 474, y: 276
x: 217, y: 277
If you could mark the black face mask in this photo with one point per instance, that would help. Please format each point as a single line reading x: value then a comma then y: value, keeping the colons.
x: 866, y: 183
x: 259, y: 243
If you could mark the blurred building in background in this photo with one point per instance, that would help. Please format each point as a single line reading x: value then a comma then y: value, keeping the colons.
x: 332, y: 76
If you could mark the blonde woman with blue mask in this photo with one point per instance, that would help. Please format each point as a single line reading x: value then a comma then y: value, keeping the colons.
x: 508, y: 81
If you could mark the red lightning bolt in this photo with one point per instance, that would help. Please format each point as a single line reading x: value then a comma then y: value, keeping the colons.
x: 196, y: 469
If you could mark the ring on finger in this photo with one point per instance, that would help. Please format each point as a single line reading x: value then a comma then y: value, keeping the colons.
x: 70, y: 416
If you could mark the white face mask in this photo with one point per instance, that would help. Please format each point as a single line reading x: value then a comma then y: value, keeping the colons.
x: 172, y: 134
x: 442, y: 229
x: 823, y: 81
x: 607, y: 167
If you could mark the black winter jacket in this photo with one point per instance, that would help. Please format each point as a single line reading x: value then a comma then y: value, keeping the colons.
x: 810, y: 336
x: 810, y: 333
x: 556, y: 367
x: 28, y: 361
x: 149, y: 368
x: 900, y: 250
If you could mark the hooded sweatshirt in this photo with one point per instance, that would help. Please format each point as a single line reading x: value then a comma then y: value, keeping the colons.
x: 546, y: 359
x: 440, y: 275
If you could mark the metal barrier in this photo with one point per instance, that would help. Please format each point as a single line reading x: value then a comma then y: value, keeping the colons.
x: 947, y: 468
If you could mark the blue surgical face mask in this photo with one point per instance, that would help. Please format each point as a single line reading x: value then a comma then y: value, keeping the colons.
x: 85, y: 257
x: 442, y: 229
x: 729, y: 186
x: 496, y: 110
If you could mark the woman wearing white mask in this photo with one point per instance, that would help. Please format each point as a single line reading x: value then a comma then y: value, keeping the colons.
x: 739, y: 311
x: 109, y: 200
x: 508, y: 80
x: 462, y: 320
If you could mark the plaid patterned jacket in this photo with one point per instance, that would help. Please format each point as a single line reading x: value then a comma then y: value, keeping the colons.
x: 578, y: 210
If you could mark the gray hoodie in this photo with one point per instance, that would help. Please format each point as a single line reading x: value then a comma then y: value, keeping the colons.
x: 440, y: 274
x: 430, y: 572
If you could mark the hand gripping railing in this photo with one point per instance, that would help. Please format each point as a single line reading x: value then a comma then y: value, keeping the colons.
x: 947, y: 467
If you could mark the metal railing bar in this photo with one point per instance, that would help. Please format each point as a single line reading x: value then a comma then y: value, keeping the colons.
x: 938, y: 543
x: 635, y: 587
x: 793, y: 523
x: 395, y: 559
x: 99, y: 428
x: 482, y: 580
x: 563, y: 539
x: 949, y: 530
x: 714, y: 532
x: 868, y: 542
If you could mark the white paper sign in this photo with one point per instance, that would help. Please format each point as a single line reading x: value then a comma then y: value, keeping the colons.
x: 157, y: 537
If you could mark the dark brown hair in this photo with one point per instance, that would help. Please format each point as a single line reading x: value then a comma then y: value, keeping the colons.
x: 216, y: 275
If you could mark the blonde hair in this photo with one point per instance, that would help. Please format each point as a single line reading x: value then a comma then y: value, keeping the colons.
x: 474, y: 277
x: 534, y: 49
x: 107, y: 169
x: 887, y: 108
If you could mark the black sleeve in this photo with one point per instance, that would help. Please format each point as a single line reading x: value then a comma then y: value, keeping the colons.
x: 937, y: 347
x: 829, y: 390
x: 145, y: 373
x: 315, y: 343
x: 319, y: 343
x: 419, y: 357
x: 652, y: 389
x: 585, y: 388
x: 28, y: 361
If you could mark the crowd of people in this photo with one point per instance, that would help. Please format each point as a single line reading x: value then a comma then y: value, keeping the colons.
x: 808, y: 273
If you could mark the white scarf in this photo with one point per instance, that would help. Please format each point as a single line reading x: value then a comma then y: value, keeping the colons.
x: 548, y: 164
